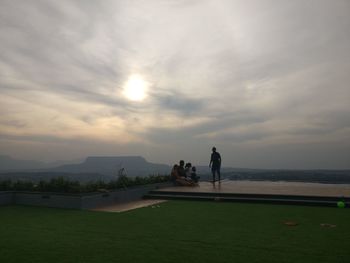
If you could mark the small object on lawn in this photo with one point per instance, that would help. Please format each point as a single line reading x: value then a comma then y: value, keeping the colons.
x: 341, y: 204
x: 327, y: 225
x: 290, y: 223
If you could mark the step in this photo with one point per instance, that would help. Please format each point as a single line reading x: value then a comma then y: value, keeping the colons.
x: 257, y: 196
x: 272, y: 199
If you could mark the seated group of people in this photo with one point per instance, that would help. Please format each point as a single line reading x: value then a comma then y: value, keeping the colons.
x: 185, y: 175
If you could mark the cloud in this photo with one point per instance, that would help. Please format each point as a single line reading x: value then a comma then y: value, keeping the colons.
x: 176, y: 101
x: 226, y: 72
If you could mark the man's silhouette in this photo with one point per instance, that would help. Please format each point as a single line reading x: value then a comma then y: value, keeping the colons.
x: 215, y: 163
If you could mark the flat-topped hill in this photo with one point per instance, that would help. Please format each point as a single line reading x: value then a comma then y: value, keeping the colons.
x: 110, y: 165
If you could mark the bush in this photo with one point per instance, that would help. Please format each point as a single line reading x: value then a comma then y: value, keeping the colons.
x: 23, y: 186
x: 65, y: 185
x: 6, y: 185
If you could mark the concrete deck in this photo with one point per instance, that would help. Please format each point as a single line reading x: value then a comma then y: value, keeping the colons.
x: 263, y: 187
x: 252, y: 191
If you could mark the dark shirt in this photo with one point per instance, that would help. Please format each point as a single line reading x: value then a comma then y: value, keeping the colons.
x: 215, y: 159
x: 181, y: 171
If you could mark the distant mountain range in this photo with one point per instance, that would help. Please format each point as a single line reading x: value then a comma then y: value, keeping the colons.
x: 133, y: 165
x: 8, y: 163
x: 104, y: 165
x: 107, y: 167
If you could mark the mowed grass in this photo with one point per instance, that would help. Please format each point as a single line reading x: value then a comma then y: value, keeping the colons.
x: 177, y: 231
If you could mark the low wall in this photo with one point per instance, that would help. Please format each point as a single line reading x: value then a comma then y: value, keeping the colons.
x: 115, y: 197
x: 48, y: 200
x: 6, y: 198
x: 77, y: 201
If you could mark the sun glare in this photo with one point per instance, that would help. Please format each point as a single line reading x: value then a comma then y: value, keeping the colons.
x: 135, y: 88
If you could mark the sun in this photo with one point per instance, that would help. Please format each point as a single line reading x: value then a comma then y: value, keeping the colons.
x: 135, y: 88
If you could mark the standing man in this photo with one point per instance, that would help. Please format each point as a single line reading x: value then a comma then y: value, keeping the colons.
x: 215, y: 163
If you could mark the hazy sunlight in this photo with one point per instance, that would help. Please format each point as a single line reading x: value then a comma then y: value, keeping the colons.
x: 135, y: 88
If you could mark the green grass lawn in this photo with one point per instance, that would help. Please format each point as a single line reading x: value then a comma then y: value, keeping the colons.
x: 178, y: 231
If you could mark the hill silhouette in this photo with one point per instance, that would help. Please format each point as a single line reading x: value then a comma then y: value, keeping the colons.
x: 109, y: 165
x: 8, y: 163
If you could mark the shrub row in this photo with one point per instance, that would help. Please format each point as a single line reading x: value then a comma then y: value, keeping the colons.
x: 64, y: 185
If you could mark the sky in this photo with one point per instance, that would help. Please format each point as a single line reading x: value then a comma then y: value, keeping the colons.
x: 265, y: 81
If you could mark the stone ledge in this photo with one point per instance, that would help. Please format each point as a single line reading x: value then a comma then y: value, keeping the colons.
x: 77, y: 201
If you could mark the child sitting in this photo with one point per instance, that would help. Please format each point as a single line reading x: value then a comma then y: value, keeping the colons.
x: 194, y: 176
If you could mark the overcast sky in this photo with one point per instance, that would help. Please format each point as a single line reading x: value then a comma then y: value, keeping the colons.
x: 265, y: 81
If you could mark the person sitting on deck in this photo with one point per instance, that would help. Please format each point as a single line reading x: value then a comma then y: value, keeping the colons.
x: 174, y: 175
x: 194, y: 176
x: 188, y: 167
x: 181, y: 168
x: 178, y: 179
